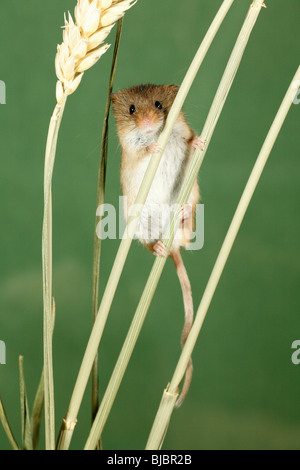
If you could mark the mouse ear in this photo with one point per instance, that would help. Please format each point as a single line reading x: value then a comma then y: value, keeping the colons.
x: 171, y: 92
x: 173, y: 89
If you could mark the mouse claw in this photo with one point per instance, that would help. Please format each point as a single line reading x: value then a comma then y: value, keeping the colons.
x: 197, y: 143
x: 154, y: 148
x: 159, y: 249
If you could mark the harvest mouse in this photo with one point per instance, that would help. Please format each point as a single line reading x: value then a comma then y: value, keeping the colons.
x: 141, y: 113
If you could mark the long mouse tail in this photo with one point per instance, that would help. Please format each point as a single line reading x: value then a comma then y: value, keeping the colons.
x: 189, y: 316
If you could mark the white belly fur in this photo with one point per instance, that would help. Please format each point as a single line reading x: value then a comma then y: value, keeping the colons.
x: 164, y: 190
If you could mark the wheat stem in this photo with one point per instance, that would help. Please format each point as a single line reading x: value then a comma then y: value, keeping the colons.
x: 139, y: 317
x: 70, y: 420
x: 166, y: 406
x: 47, y: 274
x: 100, y: 200
x: 7, y: 428
x: 234, y: 227
x: 27, y: 443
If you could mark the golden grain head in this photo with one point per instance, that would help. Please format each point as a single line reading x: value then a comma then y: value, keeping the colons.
x: 83, y: 39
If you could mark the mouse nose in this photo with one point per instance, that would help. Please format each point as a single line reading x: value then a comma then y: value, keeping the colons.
x: 146, y: 122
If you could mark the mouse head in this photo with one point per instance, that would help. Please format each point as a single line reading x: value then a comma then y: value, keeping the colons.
x: 143, y: 109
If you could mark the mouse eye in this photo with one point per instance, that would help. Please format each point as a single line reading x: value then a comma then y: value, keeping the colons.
x: 158, y: 105
x: 132, y: 109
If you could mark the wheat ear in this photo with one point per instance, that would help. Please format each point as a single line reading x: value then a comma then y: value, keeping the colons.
x: 83, y: 39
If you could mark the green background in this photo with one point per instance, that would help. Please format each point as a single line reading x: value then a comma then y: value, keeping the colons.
x: 245, y: 391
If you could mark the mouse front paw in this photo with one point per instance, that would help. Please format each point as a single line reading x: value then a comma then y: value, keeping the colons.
x: 159, y: 249
x: 197, y: 143
x: 154, y: 148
